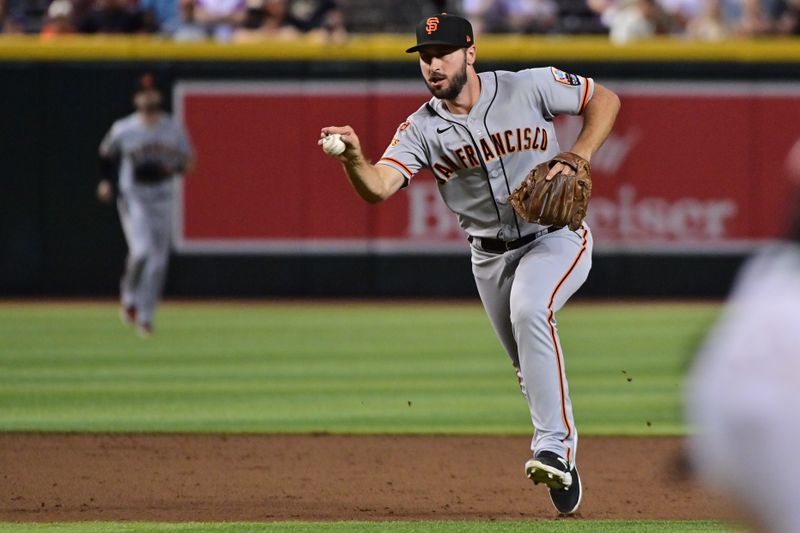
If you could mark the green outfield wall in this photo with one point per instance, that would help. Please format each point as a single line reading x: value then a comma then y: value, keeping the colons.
x: 57, y: 99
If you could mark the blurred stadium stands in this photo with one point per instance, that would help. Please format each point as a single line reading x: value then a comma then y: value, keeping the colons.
x: 625, y: 20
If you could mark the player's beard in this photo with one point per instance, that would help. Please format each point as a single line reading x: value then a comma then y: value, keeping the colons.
x: 151, y: 108
x: 457, y: 83
x: 148, y: 103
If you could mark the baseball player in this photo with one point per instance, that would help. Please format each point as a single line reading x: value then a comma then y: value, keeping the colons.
x: 480, y: 135
x: 145, y: 150
x: 743, y: 384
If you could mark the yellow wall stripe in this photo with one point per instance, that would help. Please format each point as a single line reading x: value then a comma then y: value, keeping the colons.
x: 387, y: 47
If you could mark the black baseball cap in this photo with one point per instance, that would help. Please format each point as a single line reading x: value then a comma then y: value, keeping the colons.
x: 444, y: 29
x: 146, y: 82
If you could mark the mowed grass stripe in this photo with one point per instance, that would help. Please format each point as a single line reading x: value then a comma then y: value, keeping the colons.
x: 337, y: 367
x: 542, y: 526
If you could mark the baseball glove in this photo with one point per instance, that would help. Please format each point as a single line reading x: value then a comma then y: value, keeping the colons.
x: 150, y: 172
x: 562, y: 201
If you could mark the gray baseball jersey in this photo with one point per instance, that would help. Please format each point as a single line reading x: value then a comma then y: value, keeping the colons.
x: 485, y: 155
x: 478, y: 159
x: 145, y: 209
x: 134, y: 142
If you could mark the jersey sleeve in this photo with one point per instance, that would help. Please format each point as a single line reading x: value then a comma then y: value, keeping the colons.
x: 406, y: 153
x: 109, y: 146
x: 184, y: 143
x: 561, y: 92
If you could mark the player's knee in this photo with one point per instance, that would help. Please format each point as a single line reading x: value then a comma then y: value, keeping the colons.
x: 137, y: 260
x: 527, y: 311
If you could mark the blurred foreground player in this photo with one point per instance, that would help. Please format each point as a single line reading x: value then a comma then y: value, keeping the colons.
x: 743, y: 386
x: 145, y: 150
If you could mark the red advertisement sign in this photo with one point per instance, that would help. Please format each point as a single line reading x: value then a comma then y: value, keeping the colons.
x: 689, y: 167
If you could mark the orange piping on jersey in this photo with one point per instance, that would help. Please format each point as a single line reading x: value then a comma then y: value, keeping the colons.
x: 399, y: 164
x: 585, y: 98
x: 555, y: 340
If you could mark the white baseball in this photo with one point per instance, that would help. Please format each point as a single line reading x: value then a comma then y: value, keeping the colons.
x: 333, y: 144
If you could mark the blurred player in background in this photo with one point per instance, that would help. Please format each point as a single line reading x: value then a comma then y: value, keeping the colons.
x: 743, y: 386
x: 144, y: 151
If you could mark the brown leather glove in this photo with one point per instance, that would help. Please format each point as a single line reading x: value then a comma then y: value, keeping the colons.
x: 562, y: 201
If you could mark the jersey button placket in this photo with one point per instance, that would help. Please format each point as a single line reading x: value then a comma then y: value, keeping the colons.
x: 500, y: 197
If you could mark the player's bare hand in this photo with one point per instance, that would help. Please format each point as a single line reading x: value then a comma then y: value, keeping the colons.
x: 793, y: 163
x: 105, y: 191
x: 349, y: 138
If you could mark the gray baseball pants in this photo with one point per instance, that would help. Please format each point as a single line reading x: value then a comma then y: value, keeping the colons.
x: 147, y: 227
x: 521, y: 291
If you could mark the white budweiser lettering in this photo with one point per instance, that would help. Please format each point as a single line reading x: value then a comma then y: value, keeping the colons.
x: 626, y: 217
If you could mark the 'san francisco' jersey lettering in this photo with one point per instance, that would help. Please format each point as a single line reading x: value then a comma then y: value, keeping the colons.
x: 498, y: 145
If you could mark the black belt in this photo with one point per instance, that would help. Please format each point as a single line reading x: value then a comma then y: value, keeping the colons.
x: 497, y: 246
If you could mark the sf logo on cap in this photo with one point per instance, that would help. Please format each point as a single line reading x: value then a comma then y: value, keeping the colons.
x: 431, y: 25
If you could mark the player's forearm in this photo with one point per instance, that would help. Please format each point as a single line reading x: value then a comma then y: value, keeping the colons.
x: 373, y: 183
x: 109, y: 167
x: 366, y: 180
x: 598, y: 120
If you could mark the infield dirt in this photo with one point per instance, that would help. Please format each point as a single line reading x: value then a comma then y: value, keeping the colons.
x: 69, y: 477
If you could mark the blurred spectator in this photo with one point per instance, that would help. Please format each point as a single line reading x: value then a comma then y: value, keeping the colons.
x: 333, y: 26
x: 710, y: 23
x: 220, y: 17
x: 187, y: 28
x: 789, y: 20
x: 310, y: 15
x: 507, y: 16
x: 754, y: 20
x: 575, y: 16
x: 267, y: 19
x: 774, y: 8
x: 323, y: 19
x: 112, y: 16
x: 161, y: 14
x: 22, y: 16
x: 287, y: 20
x: 14, y: 24
x: 680, y: 12
x: 630, y: 20
x: 80, y: 8
x: 10, y: 22
x: 58, y: 20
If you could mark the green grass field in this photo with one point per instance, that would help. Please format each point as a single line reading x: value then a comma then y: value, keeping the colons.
x: 363, y: 368
x: 336, y: 367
